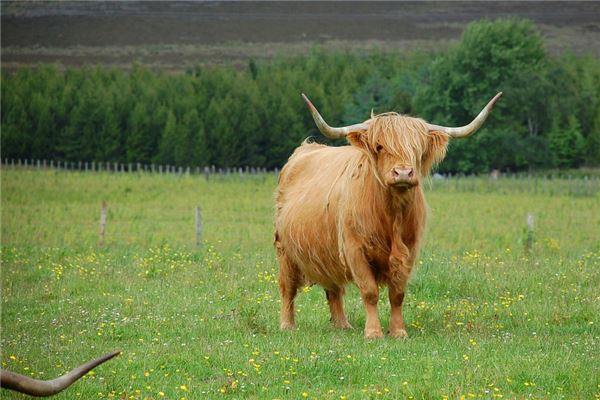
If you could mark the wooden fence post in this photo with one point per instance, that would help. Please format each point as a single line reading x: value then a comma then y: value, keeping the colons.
x: 102, y: 223
x: 530, y: 226
x: 198, y: 227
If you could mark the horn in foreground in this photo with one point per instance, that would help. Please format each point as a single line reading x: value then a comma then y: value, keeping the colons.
x: 331, y: 132
x: 34, y: 387
x: 467, y: 130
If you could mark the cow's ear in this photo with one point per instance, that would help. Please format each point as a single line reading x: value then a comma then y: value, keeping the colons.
x: 358, y: 139
x: 437, y: 143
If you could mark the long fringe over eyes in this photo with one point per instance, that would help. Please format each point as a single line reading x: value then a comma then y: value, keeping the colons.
x: 402, y: 137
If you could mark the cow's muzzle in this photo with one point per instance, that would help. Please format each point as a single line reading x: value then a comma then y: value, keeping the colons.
x: 402, y: 177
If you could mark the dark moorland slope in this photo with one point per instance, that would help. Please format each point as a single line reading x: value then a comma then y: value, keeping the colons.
x: 174, y: 35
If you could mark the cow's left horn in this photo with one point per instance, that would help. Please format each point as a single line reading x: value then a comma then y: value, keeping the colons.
x: 34, y: 387
x: 331, y: 132
x: 467, y: 130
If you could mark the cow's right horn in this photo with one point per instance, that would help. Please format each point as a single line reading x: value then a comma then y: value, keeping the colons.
x: 34, y: 387
x: 331, y: 132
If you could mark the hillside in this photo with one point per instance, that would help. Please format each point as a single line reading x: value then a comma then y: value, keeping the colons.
x: 176, y: 35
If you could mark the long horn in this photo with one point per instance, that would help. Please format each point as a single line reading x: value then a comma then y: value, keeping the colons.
x: 467, y: 130
x: 331, y: 132
x: 34, y: 387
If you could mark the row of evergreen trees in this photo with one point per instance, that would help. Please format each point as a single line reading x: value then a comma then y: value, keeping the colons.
x: 549, y: 115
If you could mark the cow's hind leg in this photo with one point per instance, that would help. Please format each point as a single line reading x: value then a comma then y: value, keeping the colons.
x: 335, y: 298
x: 290, y: 279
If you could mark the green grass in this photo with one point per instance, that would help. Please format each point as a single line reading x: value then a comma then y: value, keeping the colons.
x: 484, y: 319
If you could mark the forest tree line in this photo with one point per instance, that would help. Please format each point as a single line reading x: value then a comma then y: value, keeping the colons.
x: 548, y: 117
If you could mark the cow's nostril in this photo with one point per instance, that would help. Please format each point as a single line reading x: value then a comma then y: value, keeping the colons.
x: 402, y: 174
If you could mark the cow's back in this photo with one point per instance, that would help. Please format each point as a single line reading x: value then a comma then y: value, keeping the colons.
x: 309, y: 196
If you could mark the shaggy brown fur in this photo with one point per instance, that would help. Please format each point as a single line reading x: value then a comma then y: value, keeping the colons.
x: 338, y: 220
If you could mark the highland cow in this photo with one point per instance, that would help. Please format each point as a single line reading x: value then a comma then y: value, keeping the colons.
x: 357, y: 213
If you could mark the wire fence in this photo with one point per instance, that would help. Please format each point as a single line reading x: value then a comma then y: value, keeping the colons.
x: 585, y: 186
x: 113, y: 223
x: 502, y: 183
x: 107, y: 166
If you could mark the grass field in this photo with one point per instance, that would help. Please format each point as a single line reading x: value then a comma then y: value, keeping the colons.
x: 485, y: 320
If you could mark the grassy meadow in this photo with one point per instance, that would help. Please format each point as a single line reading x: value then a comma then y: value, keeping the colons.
x: 485, y: 319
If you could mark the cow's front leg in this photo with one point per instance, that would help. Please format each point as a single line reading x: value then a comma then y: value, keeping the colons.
x: 396, y: 328
x: 400, y: 267
x: 370, y: 294
x: 369, y: 291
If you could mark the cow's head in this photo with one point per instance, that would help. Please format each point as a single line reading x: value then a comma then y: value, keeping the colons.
x: 402, y: 148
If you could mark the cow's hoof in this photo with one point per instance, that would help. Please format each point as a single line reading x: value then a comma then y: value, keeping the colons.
x: 287, y: 326
x: 399, y: 333
x: 343, y: 325
x: 373, y: 334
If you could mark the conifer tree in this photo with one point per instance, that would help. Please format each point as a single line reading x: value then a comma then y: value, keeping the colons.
x: 168, y: 142
x: 567, y: 144
x: 592, y: 143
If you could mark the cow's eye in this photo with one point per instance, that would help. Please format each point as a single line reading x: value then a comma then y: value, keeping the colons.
x: 379, y: 148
